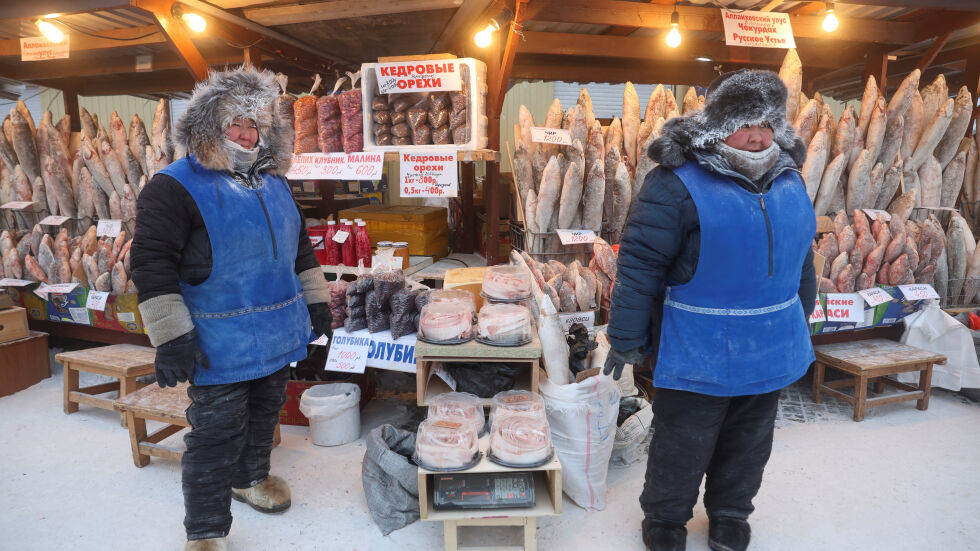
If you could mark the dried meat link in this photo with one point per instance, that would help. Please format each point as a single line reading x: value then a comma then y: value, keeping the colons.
x: 382, y: 117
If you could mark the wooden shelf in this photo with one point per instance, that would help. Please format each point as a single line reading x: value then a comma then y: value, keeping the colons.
x: 435, y: 386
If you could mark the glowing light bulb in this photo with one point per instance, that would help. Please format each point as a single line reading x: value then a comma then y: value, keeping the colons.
x: 674, y: 37
x: 194, y: 22
x: 830, y: 22
x: 484, y: 37
x: 52, y: 33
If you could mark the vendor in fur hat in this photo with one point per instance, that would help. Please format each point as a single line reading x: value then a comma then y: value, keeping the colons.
x: 229, y: 286
x: 715, y: 284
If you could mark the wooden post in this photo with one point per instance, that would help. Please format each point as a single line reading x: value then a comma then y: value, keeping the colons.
x: 933, y: 51
x: 176, y: 34
x: 468, y: 225
x: 252, y: 56
x: 877, y: 66
x: 972, y: 81
x: 70, y: 97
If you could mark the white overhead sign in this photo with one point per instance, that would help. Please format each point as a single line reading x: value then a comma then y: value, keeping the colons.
x: 759, y: 29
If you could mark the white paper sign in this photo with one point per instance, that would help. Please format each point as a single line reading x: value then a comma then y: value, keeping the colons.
x: 761, y: 29
x: 126, y: 317
x: 61, y: 288
x: 875, y: 296
x: 843, y: 307
x: 394, y: 354
x: 17, y: 205
x: 317, y: 166
x: 394, y: 262
x: 429, y: 174
x: 96, y: 300
x: 108, y: 228
x: 541, y: 134
x: 585, y: 318
x: 918, y: 292
x: 873, y: 214
x: 817, y: 316
x: 39, y: 48
x: 80, y: 315
x: 322, y: 340
x: 54, y: 220
x: 364, y: 166
x: 11, y: 282
x: 341, y: 236
x: 348, y: 353
x: 441, y: 372
x: 419, y: 76
x: 575, y: 237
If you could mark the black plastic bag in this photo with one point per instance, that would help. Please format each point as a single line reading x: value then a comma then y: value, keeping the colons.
x: 483, y: 379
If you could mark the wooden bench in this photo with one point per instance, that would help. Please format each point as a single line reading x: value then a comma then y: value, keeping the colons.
x: 124, y: 362
x: 166, y: 405
x: 871, y: 361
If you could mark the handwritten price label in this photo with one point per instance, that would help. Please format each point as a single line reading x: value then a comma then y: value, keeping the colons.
x: 61, y: 289
x: 348, y: 353
x: 17, y: 205
x: 575, y: 237
x: 429, y: 174
x: 874, y: 214
x: 817, y: 316
x: 108, y: 228
x: 54, y: 220
x: 364, y: 166
x: 322, y: 340
x: 96, y: 300
x: 918, y: 292
x: 340, y: 236
x: 11, y: 282
x: 875, y: 296
x: 395, y: 262
x: 585, y: 318
x: 318, y: 166
x: 557, y: 136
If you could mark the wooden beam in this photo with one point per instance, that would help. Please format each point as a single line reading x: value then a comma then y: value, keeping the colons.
x: 57, y: 69
x: 466, y: 19
x: 771, y: 5
x: 507, y: 62
x: 118, y: 38
x: 164, y: 82
x: 37, y: 8
x: 907, y: 64
x: 252, y: 56
x: 600, y: 69
x: 70, y: 97
x: 651, y: 16
x: 809, y: 9
x: 340, y: 9
x: 967, y: 5
x: 941, y: 22
x: 177, y: 35
x: 927, y: 58
x: 877, y: 66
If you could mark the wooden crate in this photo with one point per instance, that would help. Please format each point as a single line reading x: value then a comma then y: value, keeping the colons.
x: 24, y: 362
x: 13, y: 324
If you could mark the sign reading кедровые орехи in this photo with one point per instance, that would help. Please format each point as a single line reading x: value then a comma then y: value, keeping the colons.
x: 429, y: 174
x: 758, y: 29
x: 440, y: 75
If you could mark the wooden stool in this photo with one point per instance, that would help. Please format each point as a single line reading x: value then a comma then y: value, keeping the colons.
x: 125, y: 362
x: 872, y: 361
x: 166, y: 405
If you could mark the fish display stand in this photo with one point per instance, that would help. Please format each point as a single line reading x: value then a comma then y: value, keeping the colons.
x: 548, y: 502
x: 430, y: 357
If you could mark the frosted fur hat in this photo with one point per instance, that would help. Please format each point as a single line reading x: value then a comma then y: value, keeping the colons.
x: 735, y: 99
x: 241, y: 92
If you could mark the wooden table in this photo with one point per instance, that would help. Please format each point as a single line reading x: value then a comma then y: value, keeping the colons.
x: 124, y: 362
x: 871, y: 361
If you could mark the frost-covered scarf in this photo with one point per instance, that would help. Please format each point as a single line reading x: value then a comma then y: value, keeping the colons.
x: 751, y: 164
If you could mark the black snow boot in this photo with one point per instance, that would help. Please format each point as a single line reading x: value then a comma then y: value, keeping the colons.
x: 728, y: 534
x: 658, y: 536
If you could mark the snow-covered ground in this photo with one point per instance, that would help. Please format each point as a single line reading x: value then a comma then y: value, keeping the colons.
x: 901, y: 479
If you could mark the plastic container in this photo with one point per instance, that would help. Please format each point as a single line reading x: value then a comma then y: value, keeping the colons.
x: 461, y: 296
x: 516, y: 402
x: 461, y: 407
x: 446, y: 323
x: 442, y: 445
x: 520, y: 441
x: 348, y: 251
x: 504, y: 324
x: 333, y: 411
x: 362, y: 244
x: 507, y: 283
x: 318, y: 238
x: 331, y: 247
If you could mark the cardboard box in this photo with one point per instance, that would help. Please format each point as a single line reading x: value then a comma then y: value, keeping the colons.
x: 37, y: 308
x: 24, y: 362
x: 13, y: 320
x: 121, y: 313
x: 888, y: 313
x: 424, y: 228
x: 69, y: 307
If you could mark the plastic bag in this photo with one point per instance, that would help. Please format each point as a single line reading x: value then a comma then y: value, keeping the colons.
x: 383, y: 139
x: 438, y: 118
x: 934, y: 330
x: 440, y: 136
x: 417, y: 117
x: 381, y: 129
x: 632, y: 442
x: 401, y: 103
x: 381, y: 117
x: 422, y: 135
x: 399, y: 117
x: 401, y: 141
x: 361, y: 285
x: 377, y: 312
x: 402, y: 318
x: 351, y: 120
x: 338, y: 302
x: 483, y: 379
x: 390, y: 479
x: 445, y: 322
x: 380, y: 103
x: 508, y: 324
x: 305, y: 125
x: 400, y: 130
x: 328, y: 124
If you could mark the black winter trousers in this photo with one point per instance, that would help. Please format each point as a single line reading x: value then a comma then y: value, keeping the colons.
x: 727, y: 439
x: 232, y: 429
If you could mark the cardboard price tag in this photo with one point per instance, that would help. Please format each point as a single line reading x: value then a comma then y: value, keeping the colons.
x: 54, y: 220
x: 17, y: 205
x: 874, y: 214
x: 348, y: 353
x: 918, y: 292
x: 61, y: 288
x: 341, y: 236
x: 12, y: 282
x: 364, y: 166
x: 108, y: 228
x: 96, y: 300
x: 818, y: 315
x: 843, y: 307
x: 322, y: 340
x: 585, y: 318
x: 395, y: 262
x: 875, y: 296
x: 429, y: 174
x: 575, y: 237
x: 559, y: 136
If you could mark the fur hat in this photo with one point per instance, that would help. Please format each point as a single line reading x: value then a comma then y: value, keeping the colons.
x: 733, y: 100
x: 219, y: 99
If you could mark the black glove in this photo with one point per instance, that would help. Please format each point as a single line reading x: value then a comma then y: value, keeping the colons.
x: 616, y: 361
x: 175, y: 360
x: 321, y: 318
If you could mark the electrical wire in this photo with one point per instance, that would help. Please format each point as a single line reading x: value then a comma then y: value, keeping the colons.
x: 95, y: 35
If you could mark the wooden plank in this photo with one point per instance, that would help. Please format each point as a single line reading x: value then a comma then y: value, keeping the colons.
x: 80, y: 42
x: 120, y: 359
x: 88, y: 400
x: 466, y: 19
x: 34, y: 8
x: 95, y: 390
x: 596, y: 69
x: 161, y: 82
x: 773, y: 4
x: 497, y: 92
x: 163, y: 434
x: 340, y: 9
x: 87, y: 333
x: 154, y: 402
x: 57, y: 69
x: 939, y: 22
x: 895, y: 398
x: 252, y: 56
x: 156, y: 450
x: 877, y: 66
x: 177, y: 34
x: 866, y: 355
x: 809, y: 8
x: 937, y: 45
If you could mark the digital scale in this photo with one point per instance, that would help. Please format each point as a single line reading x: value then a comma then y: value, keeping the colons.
x: 483, y: 490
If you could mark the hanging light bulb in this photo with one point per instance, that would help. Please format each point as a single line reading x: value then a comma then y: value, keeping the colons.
x: 484, y: 37
x: 52, y: 33
x: 830, y: 21
x: 674, y: 36
x: 193, y: 21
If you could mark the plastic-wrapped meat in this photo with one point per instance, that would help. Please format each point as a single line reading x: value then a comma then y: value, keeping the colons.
x: 460, y: 407
x: 446, y: 322
x: 305, y: 125
x: 459, y: 296
x: 283, y: 109
x: 352, y: 123
x: 507, y: 282
x: 402, y: 318
x: 523, y: 440
x: 377, y: 312
x: 329, y: 135
x: 444, y: 444
x: 508, y: 324
x: 516, y: 402
x: 461, y: 135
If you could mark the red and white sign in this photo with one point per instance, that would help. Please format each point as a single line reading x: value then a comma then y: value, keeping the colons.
x: 873, y: 214
x: 817, y: 316
x: 419, y: 76
x: 575, y: 237
x: 364, y: 166
x: 318, y: 166
x: 843, y: 307
x: 560, y: 136
x: 108, y: 228
x: 348, y: 353
x: 761, y: 29
x: 38, y: 48
x: 875, y: 296
x: 59, y: 289
x: 17, y: 205
x: 918, y: 292
x: 341, y: 236
x: 53, y: 220
x: 429, y: 174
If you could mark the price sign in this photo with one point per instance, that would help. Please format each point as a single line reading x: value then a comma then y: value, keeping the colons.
x: 918, y: 292
x: 348, y: 353
x: 318, y: 166
x: 541, y: 134
x: 757, y: 29
x: 843, y: 307
x: 317, y: 242
x: 419, y: 76
x: 575, y: 237
x: 874, y: 214
x: 395, y: 262
x: 875, y: 296
x: 321, y: 341
x: 340, y: 236
x: 364, y: 166
x: 429, y: 174
x: 817, y: 315
x: 61, y: 288
x: 54, y: 220
x: 17, y: 205
x: 39, y: 48
x: 108, y: 228
x: 585, y: 318
x: 11, y: 282
x: 96, y: 300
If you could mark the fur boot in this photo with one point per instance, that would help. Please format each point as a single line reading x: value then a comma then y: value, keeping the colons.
x: 269, y: 496
x: 209, y: 544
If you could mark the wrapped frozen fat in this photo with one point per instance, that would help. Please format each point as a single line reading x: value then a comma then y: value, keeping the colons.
x: 520, y: 440
x: 516, y: 402
x: 445, y: 445
x: 504, y: 324
x: 507, y: 283
x: 446, y: 322
x: 461, y: 407
x: 454, y: 295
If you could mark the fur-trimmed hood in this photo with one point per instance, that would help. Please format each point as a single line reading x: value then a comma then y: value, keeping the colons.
x: 216, y: 101
x: 743, y: 97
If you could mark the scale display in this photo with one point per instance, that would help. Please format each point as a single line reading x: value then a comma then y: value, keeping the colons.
x: 483, y: 491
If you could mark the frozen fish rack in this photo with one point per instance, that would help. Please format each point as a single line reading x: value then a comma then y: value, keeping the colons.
x: 547, y: 495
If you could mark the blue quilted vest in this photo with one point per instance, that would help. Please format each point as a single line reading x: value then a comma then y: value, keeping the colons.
x: 250, y: 316
x: 738, y: 328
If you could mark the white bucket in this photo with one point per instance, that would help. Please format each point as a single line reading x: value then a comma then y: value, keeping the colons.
x: 334, y: 413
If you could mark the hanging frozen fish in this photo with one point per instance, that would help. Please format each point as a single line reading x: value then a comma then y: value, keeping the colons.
x: 585, y: 105
x: 893, y: 181
x: 24, y: 145
x: 868, y: 103
x: 160, y: 137
x: 622, y: 193
x: 614, y: 137
x: 876, y: 129
x: 613, y: 158
x: 876, y: 181
x: 117, y: 175
x: 22, y: 109
x: 959, y: 121
x: 934, y: 96
x: 530, y: 210
x: 593, y: 196
x: 594, y: 149
x: 100, y: 175
x: 952, y: 180
x: 931, y: 136
x: 816, y: 162
x: 670, y: 105
x: 844, y: 135
x: 115, y: 208
x: 690, y: 102
x: 892, y: 142
x: 117, y: 137
x: 45, y: 203
x: 655, y: 105
x: 791, y: 73
x: 829, y: 182
x: 138, y: 140
x: 912, y: 127
x: 523, y: 174
x: 548, y: 194
x: 930, y: 182
x: 806, y: 121
x: 858, y: 181
x: 571, y: 193
x: 631, y: 122
x: 577, y: 126
x: 7, y: 153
